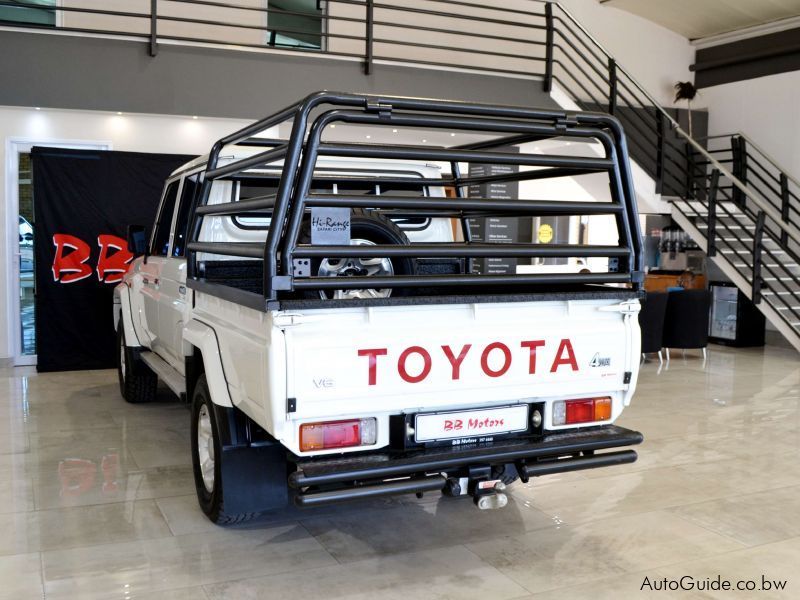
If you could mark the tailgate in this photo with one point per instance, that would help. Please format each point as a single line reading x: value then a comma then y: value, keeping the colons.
x: 411, y: 358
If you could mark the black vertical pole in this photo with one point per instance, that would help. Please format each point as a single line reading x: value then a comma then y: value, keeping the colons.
x: 612, y: 85
x: 659, y: 152
x: 547, y: 84
x: 736, y: 168
x: 757, y: 243
x: 711, y: 234
x: 153, y: 27
x: 369, y: 36
x: 689, y: 171
x: 784, y: 207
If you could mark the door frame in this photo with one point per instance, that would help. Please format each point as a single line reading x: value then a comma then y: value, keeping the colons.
x: 15, y: 146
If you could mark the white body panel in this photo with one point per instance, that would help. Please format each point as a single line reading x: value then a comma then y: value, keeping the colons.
x: 330, y: 380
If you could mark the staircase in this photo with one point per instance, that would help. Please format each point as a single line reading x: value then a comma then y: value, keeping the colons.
x: 735, y: 201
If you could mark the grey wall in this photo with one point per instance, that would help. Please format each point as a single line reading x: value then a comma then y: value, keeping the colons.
x: 58, y: 71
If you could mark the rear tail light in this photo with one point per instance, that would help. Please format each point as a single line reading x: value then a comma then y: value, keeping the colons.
x: 585, y: 410
x: 338, y: 434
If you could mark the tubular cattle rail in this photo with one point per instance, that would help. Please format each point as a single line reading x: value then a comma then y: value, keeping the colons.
x: 296, y: 161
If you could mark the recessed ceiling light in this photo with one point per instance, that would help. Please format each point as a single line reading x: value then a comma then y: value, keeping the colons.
x: 369, y: 137
x: 452, y: 135
x: 119, y: 112
x: 333, y: 126
x: 393, y: 130
x: 424, y: 141
x: 38, y: 108
x: 194, y: 117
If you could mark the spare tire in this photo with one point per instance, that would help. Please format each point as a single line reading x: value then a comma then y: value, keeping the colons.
x: 367, y: 227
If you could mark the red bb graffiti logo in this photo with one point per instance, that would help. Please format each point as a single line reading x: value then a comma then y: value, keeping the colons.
x: 72, y: 254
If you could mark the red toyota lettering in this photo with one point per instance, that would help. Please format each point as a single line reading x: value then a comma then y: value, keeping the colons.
x: 426, y: 366
x: 69, y: 263
x: 532, y: 345
x: 506, y: 359
x: 373, y: 354
x: 455, y: 361
x: 112, y: 266
x: 564, y: 356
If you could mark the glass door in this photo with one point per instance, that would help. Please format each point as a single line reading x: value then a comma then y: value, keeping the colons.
x: 20, y: 225
x: 27, y: 291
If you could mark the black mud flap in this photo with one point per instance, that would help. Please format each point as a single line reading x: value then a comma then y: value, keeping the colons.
x: 254, y: 478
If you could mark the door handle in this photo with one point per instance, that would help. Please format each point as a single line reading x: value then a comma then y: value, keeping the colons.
x: 145, y: 281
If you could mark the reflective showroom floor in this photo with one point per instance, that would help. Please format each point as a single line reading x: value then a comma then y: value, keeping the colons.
x: 97, y: 501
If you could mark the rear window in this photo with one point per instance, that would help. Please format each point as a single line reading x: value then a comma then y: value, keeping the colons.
x: 244, y: 190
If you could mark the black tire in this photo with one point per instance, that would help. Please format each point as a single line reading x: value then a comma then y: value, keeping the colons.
x: 137, y: 383
x: 376, y: 228
x: 212, y: 501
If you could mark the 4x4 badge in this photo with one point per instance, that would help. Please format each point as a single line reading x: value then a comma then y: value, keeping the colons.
x: 598, y: 361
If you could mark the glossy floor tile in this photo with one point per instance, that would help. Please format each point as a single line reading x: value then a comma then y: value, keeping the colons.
x: 98, y: 501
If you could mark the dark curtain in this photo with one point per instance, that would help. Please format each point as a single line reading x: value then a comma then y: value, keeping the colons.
x: 83, y: 202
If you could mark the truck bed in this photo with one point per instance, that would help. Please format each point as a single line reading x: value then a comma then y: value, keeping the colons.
x: 247, y: 275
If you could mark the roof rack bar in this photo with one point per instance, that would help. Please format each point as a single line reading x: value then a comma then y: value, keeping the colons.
x: 244, y: 249
x: 421, y: 153
x: 532, y: 206
x: 449, y: 250
x: 372, y: 178
x: 259, y: 159
x: 380, y: 282
x: 241, y: 206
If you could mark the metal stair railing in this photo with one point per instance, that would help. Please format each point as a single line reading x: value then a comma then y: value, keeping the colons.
x: 747, y: 205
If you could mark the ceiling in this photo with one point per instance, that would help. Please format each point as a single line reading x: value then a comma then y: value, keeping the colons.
x: 703, y: 18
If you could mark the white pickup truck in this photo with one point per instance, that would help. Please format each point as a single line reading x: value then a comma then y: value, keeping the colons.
x: 354, y: 351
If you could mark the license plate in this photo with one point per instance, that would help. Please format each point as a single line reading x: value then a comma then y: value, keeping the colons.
x: 471, y: 423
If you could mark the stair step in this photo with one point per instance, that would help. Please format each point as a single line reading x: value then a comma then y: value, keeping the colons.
x: 771, y: 265
x: 733, y: 251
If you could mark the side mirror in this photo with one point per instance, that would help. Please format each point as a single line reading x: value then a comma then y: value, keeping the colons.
x: 137, y: 240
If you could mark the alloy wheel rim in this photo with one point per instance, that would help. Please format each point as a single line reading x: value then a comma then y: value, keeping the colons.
x: 205, y: 448
x: 122, y: 360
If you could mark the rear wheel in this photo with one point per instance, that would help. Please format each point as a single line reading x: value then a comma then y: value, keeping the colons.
x: 137, y: 383
x: 207, y: 459
x: 367, y: 228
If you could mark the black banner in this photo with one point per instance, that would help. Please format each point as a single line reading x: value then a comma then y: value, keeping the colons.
x: 83, y: 202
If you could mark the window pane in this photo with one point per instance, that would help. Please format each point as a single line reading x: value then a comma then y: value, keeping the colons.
x: 190, y: 188
x: 161, y: 238
x: 301, y: 29
x: 30, y: 15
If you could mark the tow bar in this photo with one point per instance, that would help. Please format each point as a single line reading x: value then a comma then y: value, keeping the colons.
x: 486, y: 493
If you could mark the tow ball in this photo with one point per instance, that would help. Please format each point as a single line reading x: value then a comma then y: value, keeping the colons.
x: 490, y: 494
x: 486, y: 493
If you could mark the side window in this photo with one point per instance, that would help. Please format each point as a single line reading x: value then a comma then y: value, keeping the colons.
x: 191, y: 185
x: 160, y: 245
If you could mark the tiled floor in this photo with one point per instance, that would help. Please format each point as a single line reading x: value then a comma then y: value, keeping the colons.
x: 98, y: 502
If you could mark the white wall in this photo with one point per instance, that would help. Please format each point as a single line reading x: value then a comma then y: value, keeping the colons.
x: 764, y: 109
x: 136, y: 133
x: 656, y: 57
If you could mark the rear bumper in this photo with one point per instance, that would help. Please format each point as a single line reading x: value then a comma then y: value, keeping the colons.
x: 327, y: 481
